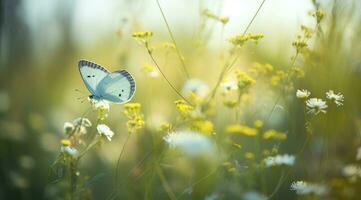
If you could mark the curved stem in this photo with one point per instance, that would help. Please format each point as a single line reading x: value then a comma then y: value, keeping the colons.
x: 161, y: 71
x: 172, y: 37
x: 118, y: 161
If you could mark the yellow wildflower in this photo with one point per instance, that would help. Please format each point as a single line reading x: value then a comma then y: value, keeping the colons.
x: 203, y: 126
x: 135, y: 118
x: 243, y: 79
x: 243, y: 130
x: 150, y: 70
x: 258, y: 123
x: 142, y: 35
x: 261, y: 69
x: 223, y: 19
x: 273, y: 134
x: 166, y: 127
x: 319, y: 15
x: 65, y: 142
x: 168, y: 45
x: 249, y: 155
x: 183, y: 108
x: 239, y: 40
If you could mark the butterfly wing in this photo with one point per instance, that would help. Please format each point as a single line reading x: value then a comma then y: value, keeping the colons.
x: 92, y: 74
x: 118, y: 87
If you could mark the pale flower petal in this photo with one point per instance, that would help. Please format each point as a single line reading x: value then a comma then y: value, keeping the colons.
x: 104, y: 130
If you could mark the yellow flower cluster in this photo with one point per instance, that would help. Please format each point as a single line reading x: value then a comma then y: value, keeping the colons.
x: 258, y: 124
x: 149, y: 69
x: 242, y: 130
x: 65, y: 142
x: 142, y: 35
x: 274, y: 135
x: 223, y: 19
x: 243, y: 79
x: 203, y: 126
x: 278, y: 77
x: 195, y: 119
x: 135, y: 117
x: 301, y: 41
x: 319, y: 15
x: 299, y: 45
x: 249, y: 156
x: 239, y: 40
x: 168, y: 45
x: 307, y: 32
x: 165, y: 127
x: 184, y: 108
x: 261, y: 69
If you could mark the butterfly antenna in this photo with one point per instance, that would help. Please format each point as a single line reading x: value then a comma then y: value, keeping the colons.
x: 80, y: 91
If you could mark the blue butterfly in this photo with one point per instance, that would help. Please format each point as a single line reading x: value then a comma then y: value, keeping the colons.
x: 117, y: 86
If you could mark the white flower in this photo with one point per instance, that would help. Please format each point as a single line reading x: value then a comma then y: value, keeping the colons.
x: 303, y: 94
x: 81, y: 121
x: 198, y: 87
x: 358, y: 156
x: 229, y: 85
x: 99, y: 104
x: 315, y: 106
x: 191, y: 143
x: 304, y: 188
x: 279, y: 160
x: 352, y: 171
x: 71, y: 151
x: 68, y: 127
x: 105, y: 131
x: 337, y: 98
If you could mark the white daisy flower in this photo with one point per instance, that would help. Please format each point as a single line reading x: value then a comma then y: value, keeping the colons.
x: 81, y: 121
x: 99, y: 104
x: 71, y: 151
x: 104, y: 130
x: 304, y: 188
x: 337, y: 98
x: 280, y: 160
x: 352, y: 171
x: 315, y: 106
x: 229, y: 85
x: 303, y: 94
x: 68, y: 127
x: 198, y: 87
x: 191, y: 143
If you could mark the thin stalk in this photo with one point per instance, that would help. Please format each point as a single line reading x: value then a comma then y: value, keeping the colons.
x: 283, y: 91
x: 165, y: 184
x: 228, y: 66
x: 118, y: 161
x: 173, y: 40
x: 160, y: 70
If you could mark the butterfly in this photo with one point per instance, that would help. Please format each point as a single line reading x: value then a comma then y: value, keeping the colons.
x: 116, y: 87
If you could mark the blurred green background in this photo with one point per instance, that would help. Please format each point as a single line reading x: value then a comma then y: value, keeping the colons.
x: 42, y: 42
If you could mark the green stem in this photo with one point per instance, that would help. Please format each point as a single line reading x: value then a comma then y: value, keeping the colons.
x: 165, y: 184
x: 161, y: 71
x: 172, y: 37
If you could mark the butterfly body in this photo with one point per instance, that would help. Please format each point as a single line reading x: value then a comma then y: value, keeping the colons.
x: 116, y: 87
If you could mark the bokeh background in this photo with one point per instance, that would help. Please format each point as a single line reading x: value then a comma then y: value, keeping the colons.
x: 41, y: 42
